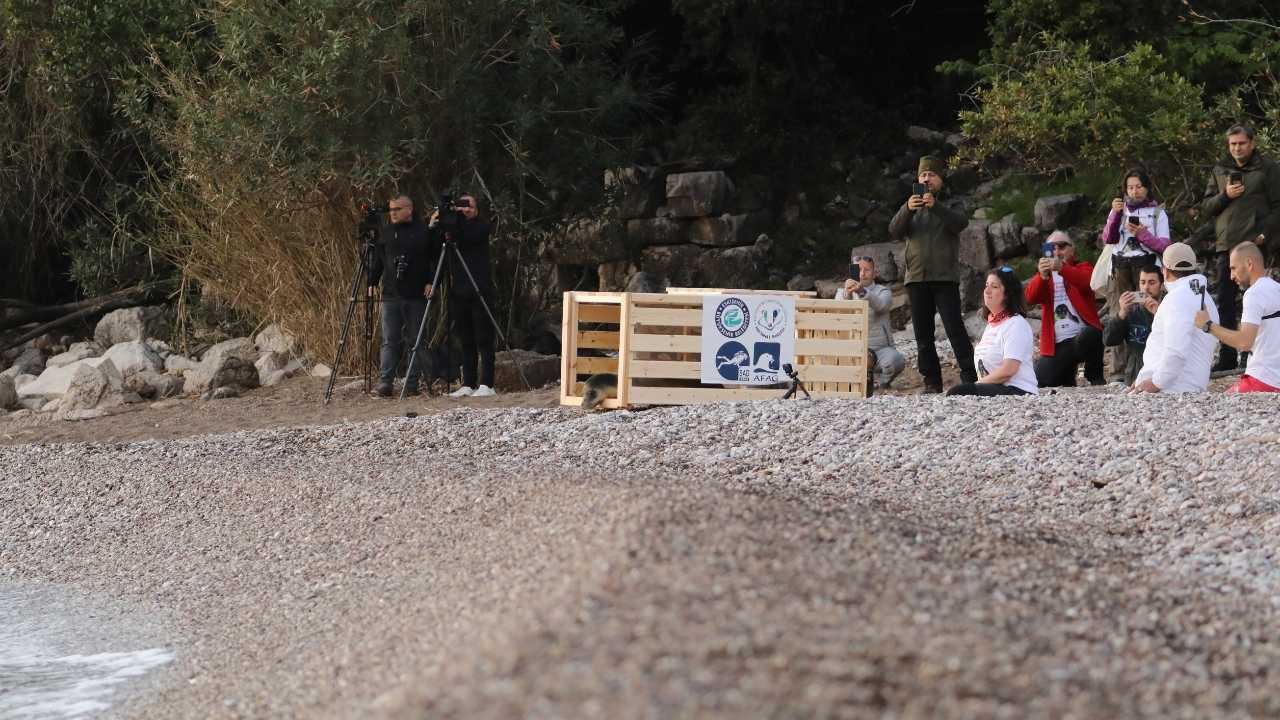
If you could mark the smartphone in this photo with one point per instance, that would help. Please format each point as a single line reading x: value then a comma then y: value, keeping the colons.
x: 919, y: 188
x: 1135, y: 220
x: 1139, y: 296
x: 1047, y: 249
x: 1237, y: 177
x: 855, y: 271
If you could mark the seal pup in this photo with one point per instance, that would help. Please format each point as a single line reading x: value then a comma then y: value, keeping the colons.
x: 597, y: 389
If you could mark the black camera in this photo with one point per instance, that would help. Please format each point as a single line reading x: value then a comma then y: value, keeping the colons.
x: 402, y: 264
x: 448, y: 218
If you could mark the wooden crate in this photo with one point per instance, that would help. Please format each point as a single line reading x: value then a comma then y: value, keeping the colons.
x: 657, y: 339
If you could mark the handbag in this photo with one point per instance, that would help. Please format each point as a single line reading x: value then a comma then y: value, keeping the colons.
x: 1102, y: 270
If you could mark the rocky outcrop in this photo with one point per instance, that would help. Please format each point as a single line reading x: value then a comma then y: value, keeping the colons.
x: 1057, y: 212
x: 227, y: 364
x: 1006, y: 238
x: 697, y: 194
x: 129, y: 324
x: 92, y: 386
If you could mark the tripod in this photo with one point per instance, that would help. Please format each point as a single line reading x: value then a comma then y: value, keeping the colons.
x: 796, y: 383
x: 450, y: 244
x: 368, y: 234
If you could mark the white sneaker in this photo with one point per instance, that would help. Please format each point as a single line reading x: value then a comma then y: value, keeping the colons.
x: 484, y: 391
x: 463, y: 391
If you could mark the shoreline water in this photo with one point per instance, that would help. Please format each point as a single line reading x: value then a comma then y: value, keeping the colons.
x: 64, y: 654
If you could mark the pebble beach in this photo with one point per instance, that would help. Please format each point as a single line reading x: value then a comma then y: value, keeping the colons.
x: 1075, y: 555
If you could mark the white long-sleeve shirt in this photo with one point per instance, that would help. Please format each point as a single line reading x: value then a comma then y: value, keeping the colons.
x: 1179, y: 354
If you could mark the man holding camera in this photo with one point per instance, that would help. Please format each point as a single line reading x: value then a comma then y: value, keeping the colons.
x: 1130, y: 325
x: 1259, y: 333
x: 931, y: 229
x: 402, y: 262
x: 1178, y: 354
x: 863, y: 284
x: 1070, y: 332
x: 1243, y: 200
x: 466, y: 300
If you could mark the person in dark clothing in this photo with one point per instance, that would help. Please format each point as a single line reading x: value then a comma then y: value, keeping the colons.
x: 931, y: 226
x: 402, y: 262
x: 1131, y: 323
x: 1243, y: 201
x: 472, y: 324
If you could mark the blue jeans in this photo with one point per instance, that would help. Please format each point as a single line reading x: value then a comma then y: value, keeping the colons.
x: 400, y: 319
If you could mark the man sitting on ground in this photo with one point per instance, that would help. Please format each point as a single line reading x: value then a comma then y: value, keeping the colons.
x: 888, y: 361
x: 1258, y: 334
x: 1178, y: 355
x: 1131, y: 324
x: 1070, y: 332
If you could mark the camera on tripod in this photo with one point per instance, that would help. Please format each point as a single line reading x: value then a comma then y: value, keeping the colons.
x: 449, y: 215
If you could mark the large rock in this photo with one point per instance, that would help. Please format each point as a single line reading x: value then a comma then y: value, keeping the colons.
x: 154, y: 385
x: 972, y: 282
x: 638, y: 190
x: 78, y: 351
x: 273, y: 339
x: 227, y: 364
x: 1006, y: 237
x: 53, y: 382
x: 125, y: 325
x: 132, y: 357
x: 657, y: 231
x: 8, y: 393
x: 587, y: 241
x: 538, y: 369
x: 890, y: 259
x: 975, y: 247
x: 1056, y: 212
x: 179, y: 364
x: 613, y: 275
x: 273, y: 367
x: 93, y: 387
x: 29, y: 362
x: 698, y: 194
x: 726, y: 230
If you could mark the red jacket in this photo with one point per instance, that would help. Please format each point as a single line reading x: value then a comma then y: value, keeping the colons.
x: 1075, y: 276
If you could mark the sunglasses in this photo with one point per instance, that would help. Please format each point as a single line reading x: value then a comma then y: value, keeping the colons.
x: 1004, y: 269
x: 862, y: 258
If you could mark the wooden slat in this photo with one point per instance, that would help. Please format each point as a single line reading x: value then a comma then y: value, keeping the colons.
x: 568, y: 345
x: 680, y: 317
x: 666, y: 343
x: 665, y: 369
x: 689, y: 396
x: 598, y: 339
x: 825, y: 304
x: 624, y: 352
x: 593, y: 365
x: 730, y: 291
x: 828, y: 346
x: 847, y: 322
x: 576, y: 401
x: 598, y: 313
x: 582, y: 296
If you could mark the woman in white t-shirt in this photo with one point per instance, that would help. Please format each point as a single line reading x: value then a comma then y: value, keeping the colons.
x: 1003, y: 355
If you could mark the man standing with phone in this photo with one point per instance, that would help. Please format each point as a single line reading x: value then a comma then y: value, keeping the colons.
x: 1243, y: 200
x: 931, y: 229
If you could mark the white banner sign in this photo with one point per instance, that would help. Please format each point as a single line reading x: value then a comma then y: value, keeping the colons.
x: 746, y: 339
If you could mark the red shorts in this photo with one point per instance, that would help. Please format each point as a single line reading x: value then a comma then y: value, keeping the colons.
x: 1251, y: 384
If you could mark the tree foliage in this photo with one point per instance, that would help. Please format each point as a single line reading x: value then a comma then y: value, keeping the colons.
x: 308, y: 107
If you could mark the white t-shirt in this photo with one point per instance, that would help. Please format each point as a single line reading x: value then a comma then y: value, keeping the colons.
x: 1260, y: 300
x: 1066, y: 322
x: 1009, y: 338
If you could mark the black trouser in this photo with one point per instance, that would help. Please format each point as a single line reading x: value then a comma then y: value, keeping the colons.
x: 1059, y: 369
x: 400, y: 320
x: 985, y: 390
x: 942, y: 298
x: 1228, y: 305
x: 475, y: 334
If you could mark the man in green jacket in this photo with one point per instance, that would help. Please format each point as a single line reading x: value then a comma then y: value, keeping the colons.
x: 932, y: 228
x: 1243, y: 201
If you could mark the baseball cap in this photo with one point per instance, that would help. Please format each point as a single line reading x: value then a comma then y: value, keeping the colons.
x: 1180, y: 257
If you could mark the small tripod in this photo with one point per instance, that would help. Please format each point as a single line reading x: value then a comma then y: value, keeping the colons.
x: 446, y: 246
x: 796, y: 383
x: 367, y: 236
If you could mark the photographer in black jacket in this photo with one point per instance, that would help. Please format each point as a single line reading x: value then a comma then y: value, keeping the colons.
x: 403, y: 262
x: 473, y: 325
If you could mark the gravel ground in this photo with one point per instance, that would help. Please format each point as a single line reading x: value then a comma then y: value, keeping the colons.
x: 917, y: 557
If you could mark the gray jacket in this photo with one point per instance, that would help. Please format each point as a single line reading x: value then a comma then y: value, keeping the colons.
x: 880, y: 299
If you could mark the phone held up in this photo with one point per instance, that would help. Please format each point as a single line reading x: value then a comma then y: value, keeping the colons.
x: 1047, y: 249
x: 855, y: 271
x: 1236, y: 177
x: 919, y: 188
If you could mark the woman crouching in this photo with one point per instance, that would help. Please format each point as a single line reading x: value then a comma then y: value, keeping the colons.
x: 1003, y: 355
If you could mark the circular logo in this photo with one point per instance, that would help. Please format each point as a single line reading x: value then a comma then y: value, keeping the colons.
x: 732, y: 317
x: 733, y: 362
x: 771, y: 319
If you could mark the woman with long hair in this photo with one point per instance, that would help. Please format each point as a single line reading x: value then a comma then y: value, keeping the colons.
x: 1003, y: 355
